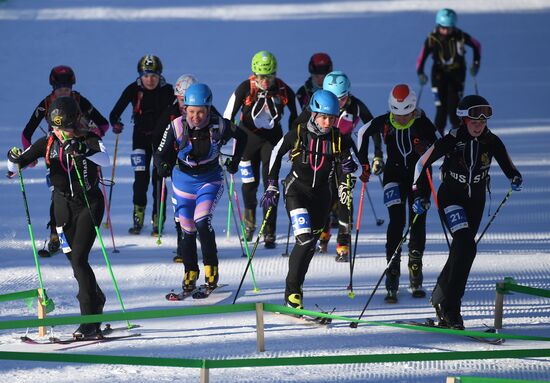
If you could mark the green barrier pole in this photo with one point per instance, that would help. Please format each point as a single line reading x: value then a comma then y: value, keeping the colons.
x: 19, y: 295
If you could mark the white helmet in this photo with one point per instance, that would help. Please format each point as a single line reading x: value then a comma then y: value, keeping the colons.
x: 402, y: 100
x: 182, y: 83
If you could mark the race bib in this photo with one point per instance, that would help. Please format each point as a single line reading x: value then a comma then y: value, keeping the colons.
x: 300, y: 221
x: 247, y: 175
x: 456, y: 218
x: 138, y: 160
x: 391, y: 194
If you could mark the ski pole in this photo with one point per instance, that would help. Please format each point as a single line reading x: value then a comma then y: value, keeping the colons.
x: 379, y: 221
x: 98, y: 233
x: 231, y: 211
x: 494, y: 214
x: 419, y: 94
x: 113, y: 171
x: 351, y: 294
x: 46, y: 302
x: 354, y: 324
x: 475, y: 85
x: 268, y: 212
x: 108, y: 209
x: 357, y: 227
x: 434, y: 194
x: 160, y: 214
x: 285, y: 254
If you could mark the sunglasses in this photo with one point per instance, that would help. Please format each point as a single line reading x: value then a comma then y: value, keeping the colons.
x: 477, y: 112
x: 268, y: 77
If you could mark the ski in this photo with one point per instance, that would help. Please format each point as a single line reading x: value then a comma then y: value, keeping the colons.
x: 311, y: 319
x: 431, y: 323
x: 84, y: 341
x: 204, y: 291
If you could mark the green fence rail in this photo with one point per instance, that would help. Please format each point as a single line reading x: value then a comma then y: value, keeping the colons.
x: 475, y: 379
x: 511, y: 285
x: 19, y: 295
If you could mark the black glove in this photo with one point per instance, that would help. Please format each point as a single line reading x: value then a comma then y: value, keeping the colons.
x: 232, y: 166
x: 14, y: 154
x: 474, y: 69
x: 164, y: 170
x: 75, y: 148
x: 348, y: 165
x: 517, y: 183
x: 421, y: 205
x: 365, y: 174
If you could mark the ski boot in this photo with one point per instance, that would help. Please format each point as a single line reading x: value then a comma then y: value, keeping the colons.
x: 100, y: 301
x: 392, y: 283
x: 139, y: 216
x: 323, y: 242
x: 342, y: 253
x: 449, y: 317
x: 53, y: 244
x: 211, y: 276
x: 415, y: 274
x: 177, y: 258
x: 333, y: 219
x: 294, y: 301
x: 190, y: 281
x: 249, y: 221
x: 269, y: 241
x: 88, y: 331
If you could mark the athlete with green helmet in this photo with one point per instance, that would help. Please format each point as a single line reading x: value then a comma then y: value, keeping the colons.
x: 261, y: 99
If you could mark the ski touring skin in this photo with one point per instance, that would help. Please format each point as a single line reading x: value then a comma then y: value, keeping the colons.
x: 431, y: 323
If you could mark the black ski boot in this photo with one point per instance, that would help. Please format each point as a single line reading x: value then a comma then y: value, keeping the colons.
x: 249, y: 223
x: 211, y: 276
x: 269, y: 241
x: 190, y: 280
x: 415, y: 274
x: 392, y: 283
x: 88, y: 331
x: 139, y: 216
x: 53, y: 244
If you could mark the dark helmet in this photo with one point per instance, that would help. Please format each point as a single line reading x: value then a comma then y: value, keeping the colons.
x: 62, y: 76
x: 64, y: 114
x: 320, y: 63
x: 149, y: 64
x: 474, y: 107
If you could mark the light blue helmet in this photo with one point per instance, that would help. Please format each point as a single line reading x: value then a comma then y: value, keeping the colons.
x: 324, y: 102
x: 198, y: 95
x: 446, y: 18
x: 338, y: 83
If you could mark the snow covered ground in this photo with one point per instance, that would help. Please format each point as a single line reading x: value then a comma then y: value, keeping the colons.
x: 376, y: 43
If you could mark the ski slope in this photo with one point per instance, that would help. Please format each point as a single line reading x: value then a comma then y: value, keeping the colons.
x: 376, y: 43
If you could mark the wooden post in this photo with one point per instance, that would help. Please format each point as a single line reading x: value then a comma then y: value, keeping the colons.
x: 41, y: 312
x: 260, y: 340
x: 499, y: 306
x: 205, y: 375
x: 451, y: 379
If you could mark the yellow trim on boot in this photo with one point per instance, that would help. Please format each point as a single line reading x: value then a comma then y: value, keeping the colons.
x: 211, y: 274
x: 295, y: 300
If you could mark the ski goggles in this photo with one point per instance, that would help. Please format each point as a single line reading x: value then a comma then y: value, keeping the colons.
x: 478, y: 112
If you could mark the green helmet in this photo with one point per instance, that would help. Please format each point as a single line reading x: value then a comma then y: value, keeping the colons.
x: 264, y: 62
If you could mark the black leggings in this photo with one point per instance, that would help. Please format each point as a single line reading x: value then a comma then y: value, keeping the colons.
x: 73, y: 215
x: 448, y: 88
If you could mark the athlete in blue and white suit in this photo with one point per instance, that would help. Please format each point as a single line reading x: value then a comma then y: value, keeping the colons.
x: 197, y: 179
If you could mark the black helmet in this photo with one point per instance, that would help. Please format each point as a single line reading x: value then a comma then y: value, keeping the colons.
x: 62, y: 76
x: 64, y: 114
x: 149, y: 64
x: 474, y: 107
x: 320, y: 63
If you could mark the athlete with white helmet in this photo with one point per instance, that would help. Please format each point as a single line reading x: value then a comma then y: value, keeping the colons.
x: 407, y: 133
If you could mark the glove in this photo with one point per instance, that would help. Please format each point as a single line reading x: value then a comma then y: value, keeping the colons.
x: 421, y: 205
x: 271, y: 195
x: 164, y: 170
x: 348, y: 166
x: 14, y: 154
x: 117, y: 128
x: 517, y: 183
x: 378, y: 166
x: 474, y: 69
x: 365, y: 174
x: 422, y: 78
x: 232, y: 166
x: 74, y: 148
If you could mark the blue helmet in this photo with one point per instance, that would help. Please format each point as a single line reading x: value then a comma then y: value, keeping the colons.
x: 198, y: 95
x: 446, y: 18
x: 324, y: 102
x: 338, y: 83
